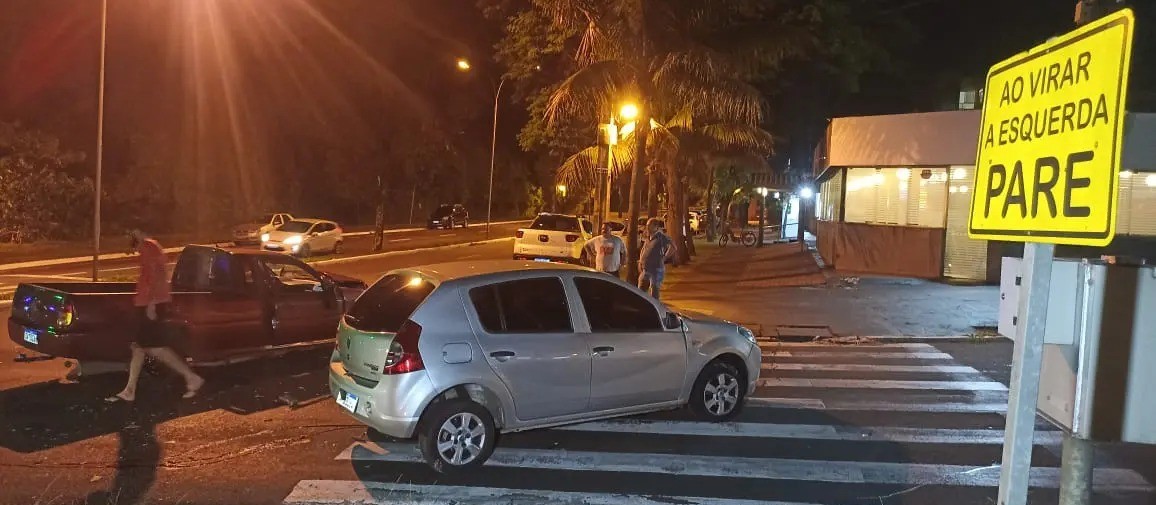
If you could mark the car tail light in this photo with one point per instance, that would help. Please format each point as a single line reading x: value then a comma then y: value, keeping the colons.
x: 571, y: 238
x: 403, y: 356
x: 520, y: 234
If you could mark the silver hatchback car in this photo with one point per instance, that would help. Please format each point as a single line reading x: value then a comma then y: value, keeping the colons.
x: 455, y: 353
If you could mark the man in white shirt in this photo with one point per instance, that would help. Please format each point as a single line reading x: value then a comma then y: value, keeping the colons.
x: 609, y: 251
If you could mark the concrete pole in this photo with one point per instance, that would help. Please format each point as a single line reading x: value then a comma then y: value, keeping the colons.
x: 1076, y: 471
x: 1076, y: 460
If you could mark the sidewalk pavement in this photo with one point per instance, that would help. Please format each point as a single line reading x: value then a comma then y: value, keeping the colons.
x: 780, y: 290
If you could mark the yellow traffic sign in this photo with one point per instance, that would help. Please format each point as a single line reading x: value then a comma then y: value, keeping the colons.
x: 1048, y: 162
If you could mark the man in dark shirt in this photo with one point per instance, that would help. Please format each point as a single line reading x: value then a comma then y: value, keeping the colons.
x: 652, y: 263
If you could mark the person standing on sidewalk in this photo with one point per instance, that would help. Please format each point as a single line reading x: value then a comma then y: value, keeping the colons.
x: 652, y: 262
x: 152, y: 298
x: 609, y: 251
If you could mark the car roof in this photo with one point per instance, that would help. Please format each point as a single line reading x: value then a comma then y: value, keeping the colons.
x: 457, y: 270
x: 311, y: 220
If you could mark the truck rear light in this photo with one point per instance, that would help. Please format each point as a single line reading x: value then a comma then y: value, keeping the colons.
x: 403, y: 356
x: 519, y: 234
x: 571, y: 238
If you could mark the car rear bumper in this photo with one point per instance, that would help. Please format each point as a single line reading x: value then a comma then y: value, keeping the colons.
x: 393, y: 406
x: 87, y: 346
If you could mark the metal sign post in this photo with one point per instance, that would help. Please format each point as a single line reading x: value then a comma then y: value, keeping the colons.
x: 1019, y: 431
x: 1047, y: 172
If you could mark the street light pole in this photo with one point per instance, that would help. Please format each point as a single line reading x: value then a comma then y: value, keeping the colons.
x: 493, y: 152
x: 99, y: 144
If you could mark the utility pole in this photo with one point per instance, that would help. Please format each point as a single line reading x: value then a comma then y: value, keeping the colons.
x: 99, y: 145
x: 1078, y: 453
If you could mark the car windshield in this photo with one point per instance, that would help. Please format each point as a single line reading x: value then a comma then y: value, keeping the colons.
x: 555, y: 223
x: 296, y: 226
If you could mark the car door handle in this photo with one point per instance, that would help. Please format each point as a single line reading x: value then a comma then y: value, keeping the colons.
x: 502, y: 355
x: 603, y: 350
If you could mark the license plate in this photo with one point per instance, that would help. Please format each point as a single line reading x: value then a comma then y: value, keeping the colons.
x: 543, y: 260
x: 31, y: 336
x: 347, y: 400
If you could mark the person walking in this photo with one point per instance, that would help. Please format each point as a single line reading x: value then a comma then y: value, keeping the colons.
x: 652, y: 262
x: 609, y: 251
x: 152, y: 298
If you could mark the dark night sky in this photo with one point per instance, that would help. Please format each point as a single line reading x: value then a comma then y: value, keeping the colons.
x: 286, y: 70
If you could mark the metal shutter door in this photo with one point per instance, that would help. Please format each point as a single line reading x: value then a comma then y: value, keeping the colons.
x: 964, y: 258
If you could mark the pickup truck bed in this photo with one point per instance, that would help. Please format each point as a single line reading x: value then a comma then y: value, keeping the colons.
x: 225, y: 305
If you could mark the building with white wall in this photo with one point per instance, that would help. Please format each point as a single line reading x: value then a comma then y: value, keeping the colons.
x: 895, y: 192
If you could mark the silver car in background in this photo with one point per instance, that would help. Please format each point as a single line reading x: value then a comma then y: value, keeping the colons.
x: 455, y: 353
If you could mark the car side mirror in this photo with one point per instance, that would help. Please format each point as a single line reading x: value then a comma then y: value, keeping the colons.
x: 671, y: 321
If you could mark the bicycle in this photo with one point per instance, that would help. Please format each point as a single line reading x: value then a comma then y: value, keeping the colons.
x: 747, y: 237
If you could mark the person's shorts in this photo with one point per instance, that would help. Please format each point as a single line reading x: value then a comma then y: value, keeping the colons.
x: 149, y: 332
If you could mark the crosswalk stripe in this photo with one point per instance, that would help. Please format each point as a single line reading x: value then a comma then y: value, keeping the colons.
x: 915, y: 346
x: 858, y: 355
x: 315, y: 492
x: 855, y: 472
x: 816, y: 404
x: 809, y: 431
x: 881, y: 384
x: 841, y: 367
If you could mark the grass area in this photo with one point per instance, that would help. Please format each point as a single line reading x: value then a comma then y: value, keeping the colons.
x: 52, y: 249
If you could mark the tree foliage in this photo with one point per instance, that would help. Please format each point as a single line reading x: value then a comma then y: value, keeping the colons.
x: 38, y: 198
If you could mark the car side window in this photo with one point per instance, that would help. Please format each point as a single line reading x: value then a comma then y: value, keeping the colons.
x: 613, y: 308
x: 523, y: 306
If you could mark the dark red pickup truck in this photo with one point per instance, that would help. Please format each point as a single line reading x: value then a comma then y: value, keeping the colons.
x: 227, y: 305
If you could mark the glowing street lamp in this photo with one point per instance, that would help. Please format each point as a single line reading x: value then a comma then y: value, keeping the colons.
x: 464, y: 66
x: 562, y: 190
x: 629, y: 111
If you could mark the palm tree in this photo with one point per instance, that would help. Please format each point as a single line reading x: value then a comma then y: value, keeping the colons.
x: 668, y: 56
x: 682, y: 149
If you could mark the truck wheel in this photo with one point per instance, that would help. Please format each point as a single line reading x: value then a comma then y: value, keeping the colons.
x: 718, y: 392
x: 456, y: 436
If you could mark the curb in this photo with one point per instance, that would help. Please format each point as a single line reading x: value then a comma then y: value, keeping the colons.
x: 174, y: 250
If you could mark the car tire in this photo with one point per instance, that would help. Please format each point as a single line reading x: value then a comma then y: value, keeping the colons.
x: 465, y: 223
x: 710, y: 403
x: 337, y: 247
x: 460, y: 430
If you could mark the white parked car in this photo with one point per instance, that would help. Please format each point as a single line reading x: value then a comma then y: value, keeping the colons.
x: 456, y: 353
x: 251, y: 232
x: 554, y: 237
x: 304, y: 237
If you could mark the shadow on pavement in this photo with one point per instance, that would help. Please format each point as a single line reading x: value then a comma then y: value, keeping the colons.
x: 52, y: 414
x: 138, y: 457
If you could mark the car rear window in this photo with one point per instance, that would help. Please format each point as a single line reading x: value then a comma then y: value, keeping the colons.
x: 388, y: 303
x: 555, y: 223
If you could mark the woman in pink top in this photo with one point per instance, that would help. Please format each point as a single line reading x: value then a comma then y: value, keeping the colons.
x: 152, y: 300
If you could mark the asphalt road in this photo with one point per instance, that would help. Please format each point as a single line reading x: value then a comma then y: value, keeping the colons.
x: 865, y: 424
x: 354, y: 245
